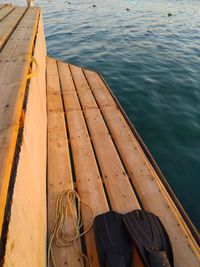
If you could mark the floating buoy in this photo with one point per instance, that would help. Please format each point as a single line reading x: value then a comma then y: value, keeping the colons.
x: 169, y: 14
x: 128, y: 9
x: 94, y: 5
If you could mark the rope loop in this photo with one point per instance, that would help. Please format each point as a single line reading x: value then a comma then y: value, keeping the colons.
x: 36, y: 71
x: 65, y: 211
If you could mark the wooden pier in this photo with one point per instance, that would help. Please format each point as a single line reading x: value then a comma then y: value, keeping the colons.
x: 60, y: 118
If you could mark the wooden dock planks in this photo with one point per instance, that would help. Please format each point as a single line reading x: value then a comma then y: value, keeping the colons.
x: 2, y: 5
x: 149, y: 188
x: 88, y: 180
x: 59, y: 166
x: 119, y: 190
x: 5, y: 11
x: 8, y: 24
x: 121, y: 195
x: 104, y: 150
x: 15, y: 59
x: 26, y: 238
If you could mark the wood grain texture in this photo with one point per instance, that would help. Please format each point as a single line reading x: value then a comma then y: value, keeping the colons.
x: 149, y: 188
x: 5, y: 11
x: 88, y: 180
x: 26, y: 239
x: 2, y: 5
x: 119, y: 189
x: 59, y: 166
x: 15, y: 61
x: 9, y: 23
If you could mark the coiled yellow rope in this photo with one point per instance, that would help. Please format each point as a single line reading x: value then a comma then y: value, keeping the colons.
x: 65, y: 207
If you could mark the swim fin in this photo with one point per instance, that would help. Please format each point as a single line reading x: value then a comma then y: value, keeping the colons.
x: 150, y: 237
x: 113, y: 243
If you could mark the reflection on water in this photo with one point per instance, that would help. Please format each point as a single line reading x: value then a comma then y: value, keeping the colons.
x: 151, y: 61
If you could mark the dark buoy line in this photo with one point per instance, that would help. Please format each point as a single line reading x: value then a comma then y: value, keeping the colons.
x: 127, y: 9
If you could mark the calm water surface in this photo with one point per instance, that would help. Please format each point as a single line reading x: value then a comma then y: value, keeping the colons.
x: 152, y: 63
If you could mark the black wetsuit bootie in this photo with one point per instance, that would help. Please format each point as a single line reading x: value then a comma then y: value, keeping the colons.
x: 150, y: 237
x: 114, y: 246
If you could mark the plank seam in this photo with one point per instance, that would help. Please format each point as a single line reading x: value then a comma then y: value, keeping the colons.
x: 6, y: 13
x: 115, y: 146
x: 92, y: 145
x: 7, y: 39
x: 82, y: 239
x: 8, y: 207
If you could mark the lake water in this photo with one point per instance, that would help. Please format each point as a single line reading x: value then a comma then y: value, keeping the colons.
x: 152, y: 63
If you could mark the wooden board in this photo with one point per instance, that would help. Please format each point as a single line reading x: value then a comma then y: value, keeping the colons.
x: 88, y: 180
x: 5, y: 11
x: 59, y: 166
x: 26, y: 239
x: 121, y: 195
x: 148, y: 186
x: 14, y: 67
x: 9, y: 23
x: 2, y: 5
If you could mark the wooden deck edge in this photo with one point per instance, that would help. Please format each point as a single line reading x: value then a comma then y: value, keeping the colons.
x: 9, y: 174
x: 155, y: 166
x: 28, y: 248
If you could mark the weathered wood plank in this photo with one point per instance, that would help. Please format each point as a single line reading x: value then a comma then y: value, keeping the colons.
x: 120, y: 192
x: 88, y: 180
x: 5, y: 11
x: 9, y: 23
x: 119, y: 189
x: 13, y: 72
x: 21, y: 41
x: 144, y: 177
x: 59, y: 166
x: 2, y: 5
x: 26, y: 239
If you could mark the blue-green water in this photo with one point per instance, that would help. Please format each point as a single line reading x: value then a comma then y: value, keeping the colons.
x: 152, y: 63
